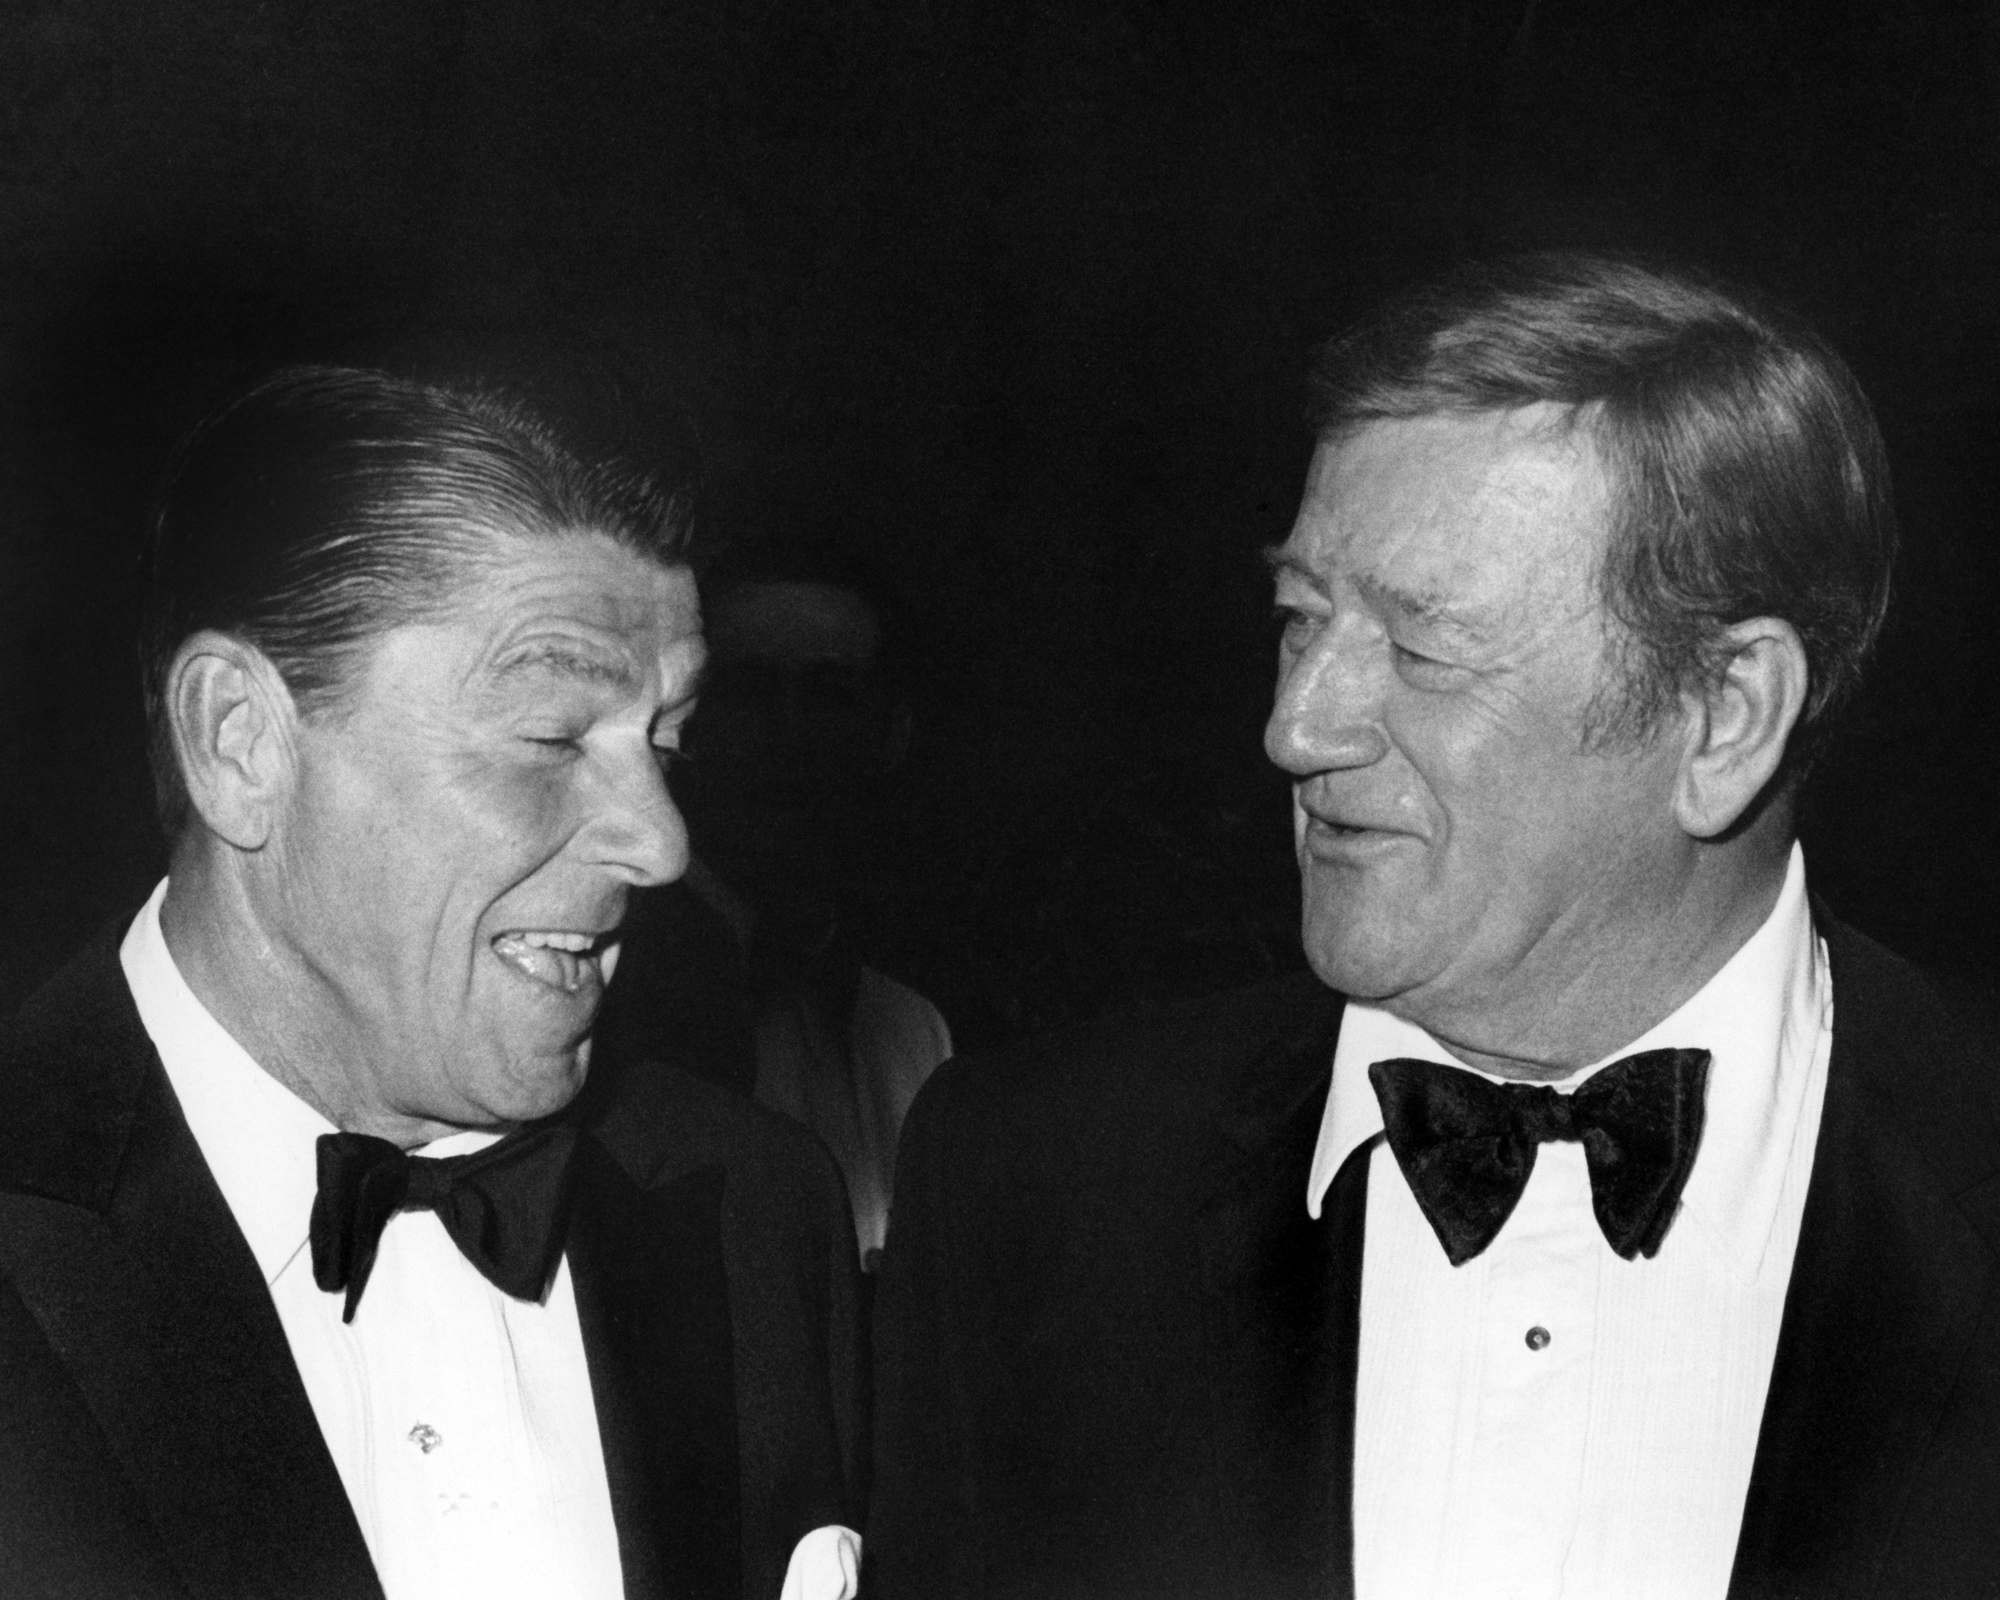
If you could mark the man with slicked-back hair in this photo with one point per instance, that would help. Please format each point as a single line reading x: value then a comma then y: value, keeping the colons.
x: 1601, y: 1218
x: 317, y: 1279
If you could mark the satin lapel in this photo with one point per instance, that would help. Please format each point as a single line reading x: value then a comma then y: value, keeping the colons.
x: 1886, y: 1289
x: 653, y: 1301
x: 128, y: 1259
x: 1343, y: 1227
x: 1284, y: 1325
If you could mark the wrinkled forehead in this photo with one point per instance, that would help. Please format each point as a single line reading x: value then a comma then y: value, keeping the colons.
x: 1479, y: 505
x: 578, y: 607
x: 583, y: 568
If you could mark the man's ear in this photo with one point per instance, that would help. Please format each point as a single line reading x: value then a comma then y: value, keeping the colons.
x: 1738, y: 725
x: 234, y: 725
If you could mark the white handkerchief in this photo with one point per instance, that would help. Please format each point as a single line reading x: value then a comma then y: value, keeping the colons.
x: 826, y: 1565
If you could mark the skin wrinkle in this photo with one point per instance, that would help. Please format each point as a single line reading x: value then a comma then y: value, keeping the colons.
x: 425, y: 821
x: 1470, y: 860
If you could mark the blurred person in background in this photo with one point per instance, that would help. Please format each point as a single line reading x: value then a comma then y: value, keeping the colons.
x: 796, y: 768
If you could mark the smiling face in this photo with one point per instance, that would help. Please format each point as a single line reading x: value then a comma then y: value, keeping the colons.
x: 1467, y: 860
x: 454, y: 857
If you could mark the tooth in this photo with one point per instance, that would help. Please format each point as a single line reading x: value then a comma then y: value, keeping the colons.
x: 553, y: 939
x: 556, y: 968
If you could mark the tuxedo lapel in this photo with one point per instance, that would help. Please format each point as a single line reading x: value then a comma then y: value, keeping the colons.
x: 653, y: 1301
x: 1887, y: 1288
x: 1343, y: 1227
x: 1284, y: 1297
x: 123, y: 1251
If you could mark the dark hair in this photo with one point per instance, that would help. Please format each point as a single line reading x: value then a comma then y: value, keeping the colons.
x: 328, y: 505
x: 1747, y: 474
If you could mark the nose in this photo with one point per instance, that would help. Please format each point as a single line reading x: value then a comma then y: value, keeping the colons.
x: 1327, y: 712
x: 636, y: 830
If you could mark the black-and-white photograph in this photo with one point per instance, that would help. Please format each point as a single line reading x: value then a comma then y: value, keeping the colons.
x: 1095, y: 800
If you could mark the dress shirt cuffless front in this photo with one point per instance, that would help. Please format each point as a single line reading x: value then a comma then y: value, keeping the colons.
x: 1550, y: 1420
x: 461, y: 1421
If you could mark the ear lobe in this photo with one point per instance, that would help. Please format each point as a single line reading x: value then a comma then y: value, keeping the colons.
x: 1739, y: 726
x: 232, y: 720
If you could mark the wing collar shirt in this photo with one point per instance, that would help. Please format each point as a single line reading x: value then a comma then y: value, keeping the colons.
x: 1549, y: 1420
x: 460, y: 1419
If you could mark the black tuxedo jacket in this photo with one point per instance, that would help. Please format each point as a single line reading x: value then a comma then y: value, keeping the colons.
x: 1117, y: 1357
x: 155, y: 1439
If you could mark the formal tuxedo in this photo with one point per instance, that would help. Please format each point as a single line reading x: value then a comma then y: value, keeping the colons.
x: 1117, y: 1356
x: 156, y: 1440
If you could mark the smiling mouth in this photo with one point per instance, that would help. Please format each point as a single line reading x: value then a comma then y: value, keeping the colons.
x: 569, y: 962
x: 1332, y: 825
x: 1323, y: 834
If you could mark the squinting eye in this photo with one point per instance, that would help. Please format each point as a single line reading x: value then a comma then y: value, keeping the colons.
x: 1293, y: 625
x: 1421, y: 667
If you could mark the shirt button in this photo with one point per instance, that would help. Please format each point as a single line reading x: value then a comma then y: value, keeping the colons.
x: 1538, y: 1338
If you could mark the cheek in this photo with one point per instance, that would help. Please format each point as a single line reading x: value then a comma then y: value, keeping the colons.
x: 1465, y: 759
x: 1516, y: 803
x: 502, y: 811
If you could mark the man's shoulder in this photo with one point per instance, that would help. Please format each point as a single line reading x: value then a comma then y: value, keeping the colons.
x: 1181, y: 1049
x: 1146, y: 1088
x: 83, y: 1005
x: 661, y: 1122
x: 1916, y: 1053
x: 71, y: 1066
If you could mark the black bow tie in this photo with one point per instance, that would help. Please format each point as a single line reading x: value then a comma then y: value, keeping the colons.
x: 504, y: 1206
x: 1467, y: 1146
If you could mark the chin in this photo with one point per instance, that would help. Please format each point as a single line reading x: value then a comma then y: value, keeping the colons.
x: 1348, y: 959
x: 539, y: 1087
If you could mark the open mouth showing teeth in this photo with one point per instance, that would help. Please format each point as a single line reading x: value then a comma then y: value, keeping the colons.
x: 571, y: 962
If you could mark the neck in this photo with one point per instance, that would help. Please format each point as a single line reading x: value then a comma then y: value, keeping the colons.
x: 1631, y: 981
x: 252, y: 986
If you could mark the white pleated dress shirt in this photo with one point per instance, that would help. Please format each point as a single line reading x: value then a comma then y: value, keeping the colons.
x: 460, y: 1419
x: 1549, y: 1420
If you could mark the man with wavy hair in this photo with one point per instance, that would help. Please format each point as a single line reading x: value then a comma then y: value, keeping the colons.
x: 1600, y: 1217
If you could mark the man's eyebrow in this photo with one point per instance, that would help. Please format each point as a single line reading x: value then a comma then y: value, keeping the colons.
x: 1426, y: 607
x: 1430, y: 608
x: 569, y: 661
x: 1279, y: 560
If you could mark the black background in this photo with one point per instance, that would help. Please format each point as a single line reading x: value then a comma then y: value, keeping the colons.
x: 1014, y: 299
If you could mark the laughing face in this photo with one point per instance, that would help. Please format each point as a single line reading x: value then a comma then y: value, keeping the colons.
x: 467, y: 823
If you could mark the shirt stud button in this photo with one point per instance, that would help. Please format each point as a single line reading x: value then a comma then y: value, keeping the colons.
x: 1538, y: 1337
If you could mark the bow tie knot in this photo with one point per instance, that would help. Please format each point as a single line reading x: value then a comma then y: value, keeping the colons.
x: 1541, y: 1115
x: 505, y: 1207
x: 1467, y: 1146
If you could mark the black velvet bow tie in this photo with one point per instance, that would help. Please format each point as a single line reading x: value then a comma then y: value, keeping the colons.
x: 1467, y: 1146
x: 504, y: 1206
